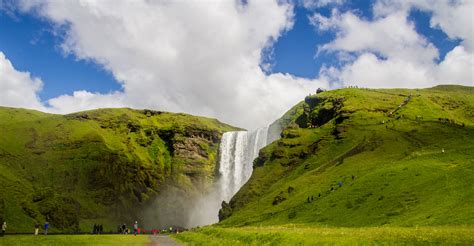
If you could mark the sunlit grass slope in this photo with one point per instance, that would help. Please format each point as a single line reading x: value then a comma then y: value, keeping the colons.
x: 95, y: 166
x: 353, y: 157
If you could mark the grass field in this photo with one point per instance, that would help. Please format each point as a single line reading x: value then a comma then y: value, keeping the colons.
x: 75, y: 240
x: 273, y: 235
x: 300, y: 235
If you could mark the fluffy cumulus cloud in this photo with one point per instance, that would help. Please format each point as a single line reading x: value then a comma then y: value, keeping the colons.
x: 206, y: 59
x: 454, y: 17
x: 180, y: 56
x: 18, y: 89
x: 388, y: 52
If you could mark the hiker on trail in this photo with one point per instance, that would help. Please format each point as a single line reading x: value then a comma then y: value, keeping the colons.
x: 135, y: 228
x: 4, y: 228
x: 46, y: 227
x: 37, y: 227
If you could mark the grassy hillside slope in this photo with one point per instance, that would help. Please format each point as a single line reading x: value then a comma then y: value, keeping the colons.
x: 100, y: 166
x: 355, y: 157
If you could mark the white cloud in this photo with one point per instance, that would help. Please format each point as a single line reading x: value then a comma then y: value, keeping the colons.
x: 180, y: 56
x: 453, y: 17
x: 18, y: 89
x: 393, y: 36
x: 83, y: 100
x: 457, y: 66
x: 314, y: 4
x: 390, y: 53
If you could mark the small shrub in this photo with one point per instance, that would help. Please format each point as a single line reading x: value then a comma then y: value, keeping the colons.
x: 292, y: 214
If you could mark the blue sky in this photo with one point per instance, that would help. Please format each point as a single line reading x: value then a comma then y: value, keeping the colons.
x: 169, y: 63
x: 29, y: 42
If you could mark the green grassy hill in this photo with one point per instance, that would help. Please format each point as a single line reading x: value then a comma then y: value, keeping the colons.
x: 100, y: 166
x: 355, y: 158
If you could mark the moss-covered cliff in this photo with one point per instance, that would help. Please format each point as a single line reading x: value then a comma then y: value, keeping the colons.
x: 101, y: 166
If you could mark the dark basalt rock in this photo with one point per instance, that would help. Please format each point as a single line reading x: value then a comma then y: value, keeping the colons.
x: 225, y: 211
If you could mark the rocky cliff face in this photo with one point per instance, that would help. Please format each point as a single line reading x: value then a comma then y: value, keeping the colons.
x: 102, y: 166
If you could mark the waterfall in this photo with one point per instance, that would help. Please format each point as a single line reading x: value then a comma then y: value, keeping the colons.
x: 237, y: 152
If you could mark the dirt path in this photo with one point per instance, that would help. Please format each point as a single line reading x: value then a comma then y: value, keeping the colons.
x: 163, y: 241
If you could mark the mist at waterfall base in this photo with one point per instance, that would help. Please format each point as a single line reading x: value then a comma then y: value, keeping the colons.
x: 200, y: 206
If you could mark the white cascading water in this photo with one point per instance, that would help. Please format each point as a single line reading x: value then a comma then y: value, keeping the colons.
x: 237, y: 152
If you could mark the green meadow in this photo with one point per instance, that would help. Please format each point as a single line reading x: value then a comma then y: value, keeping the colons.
x: 75, y: 240
x: 304, y: 235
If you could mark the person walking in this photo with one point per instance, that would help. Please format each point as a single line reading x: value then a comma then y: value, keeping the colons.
x: 37, y: 227
x: 4, y: 228
x: 135, y: 228
x: 124, y: 229
x: 46, y: 227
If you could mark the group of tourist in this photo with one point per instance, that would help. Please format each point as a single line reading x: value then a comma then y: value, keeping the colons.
x: 36, y: 231
x: 123, y: 229
x: 98, y: 229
